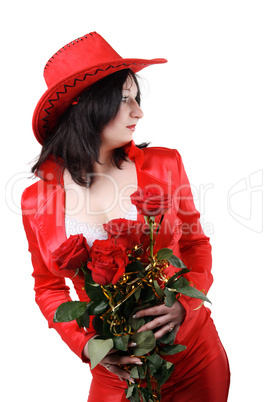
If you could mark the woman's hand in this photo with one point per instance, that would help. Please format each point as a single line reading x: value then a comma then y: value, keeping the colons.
x: 166, y: 318
x: 112, y: 361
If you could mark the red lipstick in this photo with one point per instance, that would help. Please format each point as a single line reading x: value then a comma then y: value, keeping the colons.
x: 132, y: 127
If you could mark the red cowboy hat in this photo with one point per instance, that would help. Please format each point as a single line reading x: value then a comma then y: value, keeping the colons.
x: 71, y: 71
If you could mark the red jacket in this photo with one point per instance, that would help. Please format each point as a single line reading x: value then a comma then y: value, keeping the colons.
x: 44, y: 222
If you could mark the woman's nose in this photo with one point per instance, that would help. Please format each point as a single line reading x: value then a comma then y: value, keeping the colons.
x: 136, y: 111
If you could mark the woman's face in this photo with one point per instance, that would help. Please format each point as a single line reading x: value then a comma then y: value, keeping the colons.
x: 120, y: 129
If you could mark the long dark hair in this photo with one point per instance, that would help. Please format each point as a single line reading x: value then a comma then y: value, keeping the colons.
x: 76, y: 140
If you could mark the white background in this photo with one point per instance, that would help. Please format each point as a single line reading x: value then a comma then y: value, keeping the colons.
x: 209, y: 102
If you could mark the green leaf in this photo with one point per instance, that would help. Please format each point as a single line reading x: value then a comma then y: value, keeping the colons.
x: 141, y: 372
x: 97, y: 307
x: 192, y: 292
x: 69, y: 311
x: 134, y: 372
x: 145, y: 341
x: 129, y: 391
x: 168, y: 338
x: 136, y: 323
x: 180, y: 283
x: 106, y: 333
x: 146, y: 395
x: 137, y: 294
x: 84, y: 320
x: 172, y: 349
x: 176, y: 275
x: 176, y: 262
x: 154, y: 362
x: 129, y: 307
x: 170, y: 298
x: 158, y: 290
x: 164, y: 254
x: 94, y: 292
x: 137, y: 372
x: 147, y: 294
x: 135, y: 394
x: 168, y: 365
x: 97, y: 349
x: 134, y: 266
x: 169, y: 368
x: 164, y: 372
x: 121, y: 342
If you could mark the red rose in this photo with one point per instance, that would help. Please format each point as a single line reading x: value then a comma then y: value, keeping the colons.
x: 151, y: 201
x: 108, y: 261
x: 126, y: 232
x: 72, y: 253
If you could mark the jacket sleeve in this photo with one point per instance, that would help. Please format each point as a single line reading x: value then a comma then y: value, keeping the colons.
x: 194, y: 246
x: 50, y: 292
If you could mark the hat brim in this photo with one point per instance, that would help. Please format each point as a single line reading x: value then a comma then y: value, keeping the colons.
x: 59, y: 97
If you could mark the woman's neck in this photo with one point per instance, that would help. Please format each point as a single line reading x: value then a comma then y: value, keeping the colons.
x: 105, y: 162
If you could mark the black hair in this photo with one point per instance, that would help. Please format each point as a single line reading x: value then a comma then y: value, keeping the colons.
x: 77, y: 140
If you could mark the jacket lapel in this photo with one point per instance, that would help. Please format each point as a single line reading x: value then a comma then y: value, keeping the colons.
x: 152, y: 174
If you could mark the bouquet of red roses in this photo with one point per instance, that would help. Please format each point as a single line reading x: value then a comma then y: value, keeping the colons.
x: 123, y: 275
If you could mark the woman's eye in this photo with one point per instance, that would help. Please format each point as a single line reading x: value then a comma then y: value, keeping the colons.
x: 124, y: 98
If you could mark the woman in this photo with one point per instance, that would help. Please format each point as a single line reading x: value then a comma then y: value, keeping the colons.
x: 89, y: 166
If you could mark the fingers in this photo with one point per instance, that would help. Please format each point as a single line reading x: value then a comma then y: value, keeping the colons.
x: 112, y: 361
x: 163, y: 315
x: 175, y: 314
x: 166, y: 318
x: 155, y: 323
x: 112, y: 351
x: 157, y: 310
x: 165, y: 329
x: 122, y: 374
x: 117, y: 359
x: 162, y: 325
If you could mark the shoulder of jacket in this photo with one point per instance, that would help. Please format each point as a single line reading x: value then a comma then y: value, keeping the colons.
x: 161, y: 152
x: 28, y: 192
x: 36, y: 195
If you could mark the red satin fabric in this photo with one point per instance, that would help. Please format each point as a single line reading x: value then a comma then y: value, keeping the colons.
x: 43, y: 208
x: 211, y: 384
